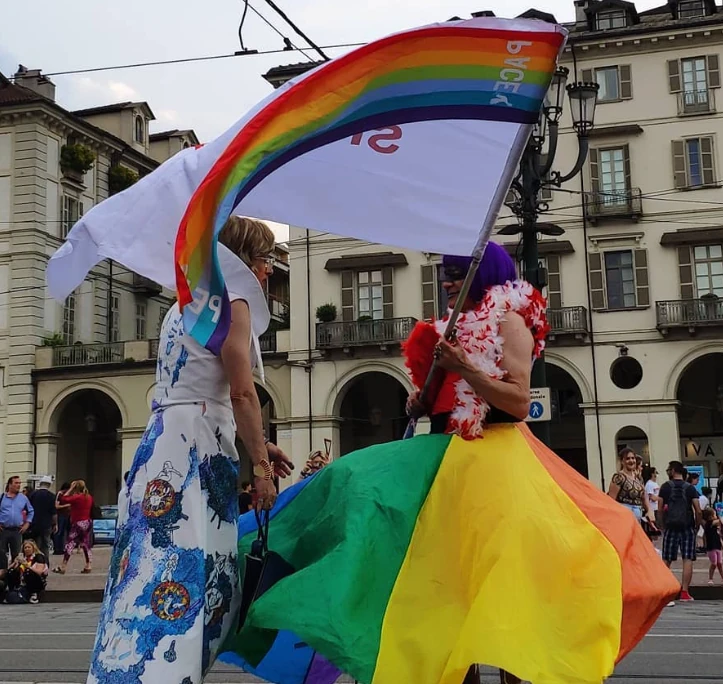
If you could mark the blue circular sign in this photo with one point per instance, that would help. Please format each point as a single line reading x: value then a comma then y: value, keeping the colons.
x: 536, y: 409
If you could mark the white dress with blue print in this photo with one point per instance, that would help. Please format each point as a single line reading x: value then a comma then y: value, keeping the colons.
x: 172, y: 591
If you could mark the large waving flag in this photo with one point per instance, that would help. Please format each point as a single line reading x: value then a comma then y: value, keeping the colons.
x: 557, y: 585
x: 402, y: 142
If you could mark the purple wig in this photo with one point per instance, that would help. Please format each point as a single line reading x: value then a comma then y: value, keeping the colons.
x: 496, y: 268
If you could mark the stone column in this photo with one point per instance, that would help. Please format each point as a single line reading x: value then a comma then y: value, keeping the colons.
x: 664, y: 436
x: 46, y: 446
x: 131, y: 438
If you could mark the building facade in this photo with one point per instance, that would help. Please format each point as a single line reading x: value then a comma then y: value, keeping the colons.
x: 634, y: 285
x: 76, y: 378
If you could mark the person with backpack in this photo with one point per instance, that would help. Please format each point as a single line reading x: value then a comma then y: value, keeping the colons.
x: 682, y: 516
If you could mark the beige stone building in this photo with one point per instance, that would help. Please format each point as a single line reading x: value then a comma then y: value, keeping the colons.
x: 634, y: 285
x: 76, y: 378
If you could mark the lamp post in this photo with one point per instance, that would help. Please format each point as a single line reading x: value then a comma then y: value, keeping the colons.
x: 536, y: 173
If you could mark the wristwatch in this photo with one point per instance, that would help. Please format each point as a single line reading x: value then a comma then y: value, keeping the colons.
x: 263, y: 470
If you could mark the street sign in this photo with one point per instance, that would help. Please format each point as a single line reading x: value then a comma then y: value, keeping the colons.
x: 540, y: 408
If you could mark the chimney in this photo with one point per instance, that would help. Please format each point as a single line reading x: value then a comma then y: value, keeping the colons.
x: 483, y: 13
x: 33, y: 80
x: 580, y: 13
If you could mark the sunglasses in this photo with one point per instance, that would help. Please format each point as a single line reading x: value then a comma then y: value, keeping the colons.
x: 454, y: 273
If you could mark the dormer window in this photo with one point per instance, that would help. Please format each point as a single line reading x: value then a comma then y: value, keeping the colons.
x: 140, y: 130
x: 691, y: 9
x: 611, y: 19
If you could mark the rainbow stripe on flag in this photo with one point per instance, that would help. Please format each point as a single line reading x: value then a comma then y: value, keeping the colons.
x: 416, y: 559
x: 451, y: 71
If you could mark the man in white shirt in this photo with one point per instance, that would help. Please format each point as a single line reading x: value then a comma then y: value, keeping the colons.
x: 652, y: 488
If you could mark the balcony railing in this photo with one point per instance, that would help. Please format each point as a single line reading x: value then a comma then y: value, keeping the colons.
x: 614, y: 204
x: 689, y: 313
x: 696, y: 102
x: 88, y: 354
x: 342, y: 334
x: 570, y: 320
x: 267, y: 342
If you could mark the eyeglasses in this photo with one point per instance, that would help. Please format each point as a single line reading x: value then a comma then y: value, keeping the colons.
x: 453, y: 273
x: 268, y: 259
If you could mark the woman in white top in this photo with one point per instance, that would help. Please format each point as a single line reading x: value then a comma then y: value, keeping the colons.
x: 652, y: 488
x: 172, y: 589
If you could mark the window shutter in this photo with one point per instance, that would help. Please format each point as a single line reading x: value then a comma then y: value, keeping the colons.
x: 642, y: 284
x: 388, y: 292
x: 708, y: 164
x: 429, y: 289
x: 597, y: 284
x: 594, y: 171
x: 347, y: 295
x: 588, y: 76
x: 674, y: 76
x: 628, y: 174
x: 679, y: 167
x: 685, y: 269
x: 713, y: 71
x: 554, y: 285
x: 626, y: 82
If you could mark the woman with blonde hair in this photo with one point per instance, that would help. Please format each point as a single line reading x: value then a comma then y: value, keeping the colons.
x: 81, y: 525
x: 28, y: 571
x: 172, y: 591
x: 628, y: 489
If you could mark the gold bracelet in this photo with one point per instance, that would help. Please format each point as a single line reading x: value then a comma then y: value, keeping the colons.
x: 263, y: 470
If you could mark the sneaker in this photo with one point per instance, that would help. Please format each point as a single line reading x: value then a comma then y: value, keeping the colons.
x: 711, y: 583
x: 34, y: 598
x: 671, y: 604
x: 685, y: 597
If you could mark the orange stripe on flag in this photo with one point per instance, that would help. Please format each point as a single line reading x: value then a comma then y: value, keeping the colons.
x: 647, y: 584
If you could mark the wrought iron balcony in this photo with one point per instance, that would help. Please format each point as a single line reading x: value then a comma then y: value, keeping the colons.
x: 88, y: 354
x: 570, y: 320
x: 693, y: 102
x: 690, y: 314
x: 346, y: 334
x: 614, y: 204
x: 267, y: 342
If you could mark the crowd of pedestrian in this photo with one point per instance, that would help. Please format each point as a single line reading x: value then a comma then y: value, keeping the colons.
x: 35, y: 523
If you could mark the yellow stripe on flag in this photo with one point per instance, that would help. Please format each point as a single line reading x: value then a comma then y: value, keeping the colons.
x: 539, y: 593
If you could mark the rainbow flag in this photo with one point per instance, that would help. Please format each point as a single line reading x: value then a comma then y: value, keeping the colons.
x: 448, y: 72
x: 416, y: 559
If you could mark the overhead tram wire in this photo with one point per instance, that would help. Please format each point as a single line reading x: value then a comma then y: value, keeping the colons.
x: 186, y: 60
x: 286, y: 18
x: 290, y: 46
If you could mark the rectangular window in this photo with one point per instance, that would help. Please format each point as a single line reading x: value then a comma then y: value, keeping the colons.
x: 691, y: 9
x: 694, y: 76
x: 141, y: 314
x: 611, y: 20
x: 620, y: 280
x: 694, y: 162
x: 370, y: 301
x: 161, y: 318
x: 609, y: 81
x: 442, y: 299
x: 115, y: 318
x: 708, y: 270
x: 71, y: 211
x: 69, y: 320
x: 613, y: 181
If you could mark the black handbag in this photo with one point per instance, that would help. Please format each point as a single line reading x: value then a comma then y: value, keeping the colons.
x: 263, y: 569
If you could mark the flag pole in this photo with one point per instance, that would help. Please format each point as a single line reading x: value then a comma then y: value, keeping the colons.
x: 511, y: 169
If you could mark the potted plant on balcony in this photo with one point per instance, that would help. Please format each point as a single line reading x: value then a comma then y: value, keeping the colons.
x: 76, y: 160
x: 326, y: 313
x: 120, y: 178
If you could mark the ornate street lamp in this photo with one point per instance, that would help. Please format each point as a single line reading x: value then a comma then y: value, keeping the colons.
x: 536, y: 173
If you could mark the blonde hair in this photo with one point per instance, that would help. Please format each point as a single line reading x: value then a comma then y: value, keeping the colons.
x: 36, y: 548
x: 78, y: 487
x: 247, y: 238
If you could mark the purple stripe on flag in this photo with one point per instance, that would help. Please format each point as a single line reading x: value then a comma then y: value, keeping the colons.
x: 321, y: 671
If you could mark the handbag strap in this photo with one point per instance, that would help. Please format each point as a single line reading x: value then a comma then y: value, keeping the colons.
x: 262, y: 521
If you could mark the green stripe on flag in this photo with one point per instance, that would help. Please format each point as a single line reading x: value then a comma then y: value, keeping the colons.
x: 347, y: 533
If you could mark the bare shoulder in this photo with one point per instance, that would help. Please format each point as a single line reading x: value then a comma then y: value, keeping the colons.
x: 514, y: 330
